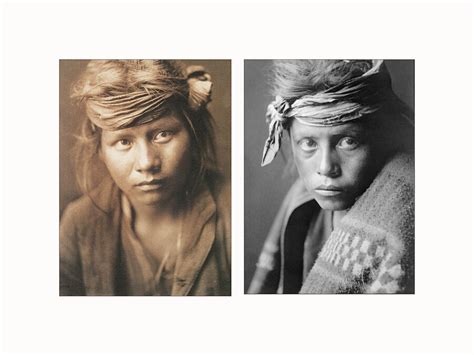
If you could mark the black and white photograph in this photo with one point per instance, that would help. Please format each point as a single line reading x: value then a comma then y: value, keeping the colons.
x: 345, y: 145
x: 138, y: 142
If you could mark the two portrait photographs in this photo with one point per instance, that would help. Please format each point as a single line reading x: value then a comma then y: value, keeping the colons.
x: 149, y: 209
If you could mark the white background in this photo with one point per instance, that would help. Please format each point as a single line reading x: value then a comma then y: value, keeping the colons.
x: 437, y: 319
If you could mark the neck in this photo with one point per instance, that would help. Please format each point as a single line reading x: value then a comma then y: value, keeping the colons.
x: 169, y: 210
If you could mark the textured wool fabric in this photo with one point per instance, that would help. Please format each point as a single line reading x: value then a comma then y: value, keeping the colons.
x: 372, y: 250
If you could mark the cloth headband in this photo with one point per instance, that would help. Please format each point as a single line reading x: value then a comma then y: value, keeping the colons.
x: 116, y: 112
x: 348, y: 101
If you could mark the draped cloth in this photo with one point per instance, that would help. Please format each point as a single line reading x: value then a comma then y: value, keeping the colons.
x: 371, y: 250
x: 116, y: 107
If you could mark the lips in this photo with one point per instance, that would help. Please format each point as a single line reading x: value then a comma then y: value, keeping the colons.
x: 328, y: 190
x: 151, y: 185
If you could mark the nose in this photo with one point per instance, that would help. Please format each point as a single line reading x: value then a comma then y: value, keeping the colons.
x: 147, y: 158
x: 328, y: 163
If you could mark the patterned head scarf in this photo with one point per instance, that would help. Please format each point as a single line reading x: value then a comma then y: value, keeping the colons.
x: 124, y: 93
x: 350, y: 100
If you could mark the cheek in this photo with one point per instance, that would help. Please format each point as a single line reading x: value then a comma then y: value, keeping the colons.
x: 304, y: 166
x: 118, y: 165
x: 177, y: 156
x: 301, y: 164
x: 358, y: 169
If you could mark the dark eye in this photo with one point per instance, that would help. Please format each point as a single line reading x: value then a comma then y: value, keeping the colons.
x: 348, y: 143
x: 163, y: 137
x: 123, y: 144
x: 307, y: 144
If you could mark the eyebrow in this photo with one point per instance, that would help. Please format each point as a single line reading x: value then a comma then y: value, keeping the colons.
x: 165, y: 121
x: 355, y: 130
x: 337, y: 131
x: 152, y: 126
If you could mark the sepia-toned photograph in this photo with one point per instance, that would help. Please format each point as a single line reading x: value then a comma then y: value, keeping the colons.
x: 145, y: 177
x: 329, y: 176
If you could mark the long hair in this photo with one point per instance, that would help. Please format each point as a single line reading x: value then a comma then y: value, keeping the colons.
x: 121, y: 92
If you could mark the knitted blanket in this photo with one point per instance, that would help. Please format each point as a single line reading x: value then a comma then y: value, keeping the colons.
x: 372, y: 250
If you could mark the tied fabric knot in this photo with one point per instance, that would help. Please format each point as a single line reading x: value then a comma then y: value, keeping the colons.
x: 122, y: 111
x: 114, y: 107
x: 200, y: 87
x: 352, y: 99
x: 276, y: 118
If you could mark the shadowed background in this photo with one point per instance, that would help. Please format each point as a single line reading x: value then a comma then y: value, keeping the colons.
x: 71, y: 116
x: 266, y: 187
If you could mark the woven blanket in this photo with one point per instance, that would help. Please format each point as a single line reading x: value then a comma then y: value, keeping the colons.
x: 372, y: 250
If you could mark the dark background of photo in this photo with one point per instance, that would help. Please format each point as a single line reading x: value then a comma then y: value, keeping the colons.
x: 265, y: 187
x: 71, y: 116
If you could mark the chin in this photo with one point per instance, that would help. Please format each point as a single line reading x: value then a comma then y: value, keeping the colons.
x: 334, y: 204
x: 150, y: 199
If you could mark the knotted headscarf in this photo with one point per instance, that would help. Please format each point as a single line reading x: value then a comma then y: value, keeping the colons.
x: 350, y: 100
x: 121, y: 94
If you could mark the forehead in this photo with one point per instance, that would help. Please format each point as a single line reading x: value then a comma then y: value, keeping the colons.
x: 163, y: 122
x: 299, y: 129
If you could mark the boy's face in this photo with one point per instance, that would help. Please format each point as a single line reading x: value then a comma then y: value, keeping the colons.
x: 150, y: 163
x: 336, y: 163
